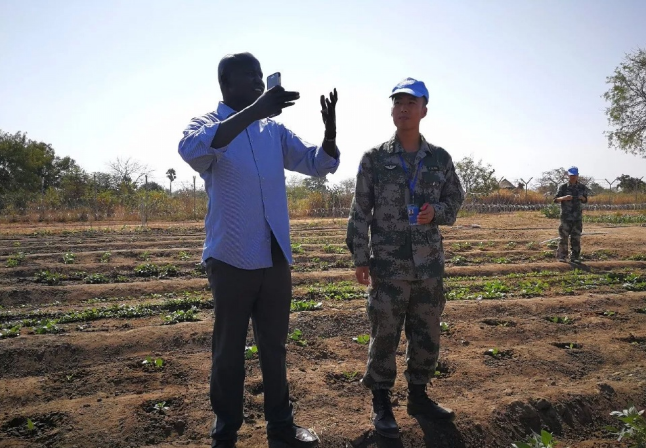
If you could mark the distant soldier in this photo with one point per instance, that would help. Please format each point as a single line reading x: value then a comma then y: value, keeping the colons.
x: 405, y: 188
x: 571, y: 195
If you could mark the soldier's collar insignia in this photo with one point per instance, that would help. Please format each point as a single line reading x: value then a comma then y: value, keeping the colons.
x: 390, y: 167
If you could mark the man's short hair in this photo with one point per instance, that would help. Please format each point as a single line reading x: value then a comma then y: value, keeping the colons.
x: 228, y: 62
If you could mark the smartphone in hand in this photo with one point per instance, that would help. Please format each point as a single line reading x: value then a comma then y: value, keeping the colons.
x: 273, y: 80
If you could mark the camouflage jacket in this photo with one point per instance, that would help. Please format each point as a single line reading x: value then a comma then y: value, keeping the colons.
x: 571, y: 210
x: 395, y: 249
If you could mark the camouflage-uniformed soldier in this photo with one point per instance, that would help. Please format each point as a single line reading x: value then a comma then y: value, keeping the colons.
x: 571, y: 195
x: 405, y: 189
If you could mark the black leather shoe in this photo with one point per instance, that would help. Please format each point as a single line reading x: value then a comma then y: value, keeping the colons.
x: 294, y: 436
x: 420, y: 404
x: 223, y: 444
x: 382, y: 414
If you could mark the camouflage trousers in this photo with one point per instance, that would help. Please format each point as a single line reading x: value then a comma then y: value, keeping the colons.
x: 571, y: 230
x: 415, y: 305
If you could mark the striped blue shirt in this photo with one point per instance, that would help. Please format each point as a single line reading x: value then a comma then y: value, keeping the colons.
x: 245, y: 183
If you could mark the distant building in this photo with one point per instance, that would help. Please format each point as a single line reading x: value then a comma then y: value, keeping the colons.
x: 504, y: 184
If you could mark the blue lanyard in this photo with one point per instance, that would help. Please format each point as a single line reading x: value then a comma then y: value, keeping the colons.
x: 411, y: 181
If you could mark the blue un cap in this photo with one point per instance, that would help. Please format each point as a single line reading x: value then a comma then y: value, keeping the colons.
x: 411, y: 86
x: 573, y: 171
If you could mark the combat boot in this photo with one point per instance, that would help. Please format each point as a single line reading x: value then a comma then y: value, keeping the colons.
x: 420, y: 404
x: 382, y: 414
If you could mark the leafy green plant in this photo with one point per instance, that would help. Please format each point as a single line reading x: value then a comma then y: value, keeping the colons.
x: 156, y: 363
x: 105, y: 257
x: 31, y: 427
x: 444, y: 326
x: 351, y: 375
x: 96, y: 279
x: 529, y: 288
x: 331, y: 249
x: 458, y: 260
x: 532, y: 245
x: 494, y: 289
x: 510, y: 245
x: 465, y: 245
x: 297, y: 248
x: 335, y: 291
x: 50, y: 278
x: 250, y: 352
x: 46, y: 326
x: 552, y: 244
x: 160, y: 407
x: 175, y: 317
x: 493, y: 352
x: 501, y: 260
x: 297, y: 337
x: 144, y: 256
x: 183, y: 255
x: 362, y: 339
x: 609, y: 313
x: 15, y: 260
x: 544, y: 440
x: 69, y: 258
x: 634, y: 428
x: 560, y: 320
x: 305, y: 305
x: 11, y: 332
x: 551, y: 211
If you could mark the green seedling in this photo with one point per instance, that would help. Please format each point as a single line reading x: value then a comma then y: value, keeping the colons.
x: 362, y: 339
x: 444, y: 326
x: 250, y: 352
x: 30, y: 425
x: 161, y: 407
x: 69, y: 258
x: 305, y: 305
x: 634, y: 428
x: 10, y: 332
x: 175, y: 317
x: 458, y: 260
x: 331, y: 249
x: 560, y: 320
x: 552, y: 245
x: 533, y: 245
x: 156, y: 363
x: 50, y: 278
x: 493, y: 352
x: 46, y: 326
x: 183, y: 255
x: 544, y: 440
x: 297, y: 337
x: 15, y: 260
x: 350, y: 375
x: 571, y: 346
x: 144, y: 256
x: 501, y: 260
x: 609, y: 313
x: 297, y: 248
x: 69, y: 378
x: 465, y: 245
x: 437, y: 374
x: 510, y: 245
x: 94, y: 279
x: 105, y: 257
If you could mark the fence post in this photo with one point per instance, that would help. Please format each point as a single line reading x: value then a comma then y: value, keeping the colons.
x: 144, y: 211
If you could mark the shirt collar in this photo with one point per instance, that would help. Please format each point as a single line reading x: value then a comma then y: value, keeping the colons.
x: 224, y: 111
x: 395, y: 147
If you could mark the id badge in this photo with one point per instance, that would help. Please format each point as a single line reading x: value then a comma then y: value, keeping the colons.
x: 413, y: 211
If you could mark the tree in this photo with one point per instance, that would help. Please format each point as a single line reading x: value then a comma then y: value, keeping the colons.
x: 627, y: 183
x: 128, y: 172
x: 627, y: 110
x: 476, y: 177
x: 315, y: 183
x: 551, y: 180
x: 171, y: 176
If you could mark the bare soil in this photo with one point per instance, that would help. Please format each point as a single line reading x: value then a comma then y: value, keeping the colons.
x: 529, y: 343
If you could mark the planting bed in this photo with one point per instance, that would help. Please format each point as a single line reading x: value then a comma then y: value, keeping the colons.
x: 105, y: 337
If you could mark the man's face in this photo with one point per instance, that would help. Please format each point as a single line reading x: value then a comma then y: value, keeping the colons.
x: 573, y: 178
x: 408, y: 111
x: 243, y: 82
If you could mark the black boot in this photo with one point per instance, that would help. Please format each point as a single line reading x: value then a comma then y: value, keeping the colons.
x: 420, y: 404
x: 382, y: 414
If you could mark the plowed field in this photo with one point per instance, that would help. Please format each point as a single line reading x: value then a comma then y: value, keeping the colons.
x: 90, y: 356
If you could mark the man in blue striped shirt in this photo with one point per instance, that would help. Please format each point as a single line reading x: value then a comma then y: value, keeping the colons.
x: 241, y: 154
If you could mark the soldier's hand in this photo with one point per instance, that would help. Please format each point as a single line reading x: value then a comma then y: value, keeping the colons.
x: 363, y: 275
x: 566, y: 198
x: 426, y: 214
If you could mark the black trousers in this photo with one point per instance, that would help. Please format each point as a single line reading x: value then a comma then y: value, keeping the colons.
x: 264, y: 295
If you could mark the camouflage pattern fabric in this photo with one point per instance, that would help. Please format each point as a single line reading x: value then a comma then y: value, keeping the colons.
x: 571, y: 210
x: 416, y: 306
x: 379, y: 234
x: 573, y: 230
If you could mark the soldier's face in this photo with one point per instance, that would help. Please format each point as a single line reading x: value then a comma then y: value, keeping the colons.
x: 573, y: 179
x: 407, y: 111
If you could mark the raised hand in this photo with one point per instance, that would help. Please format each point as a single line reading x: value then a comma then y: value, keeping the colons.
x: 328, y: 112
x: 273, y: 101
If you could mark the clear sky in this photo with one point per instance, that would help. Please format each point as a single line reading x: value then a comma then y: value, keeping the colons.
x: 517, y: 84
